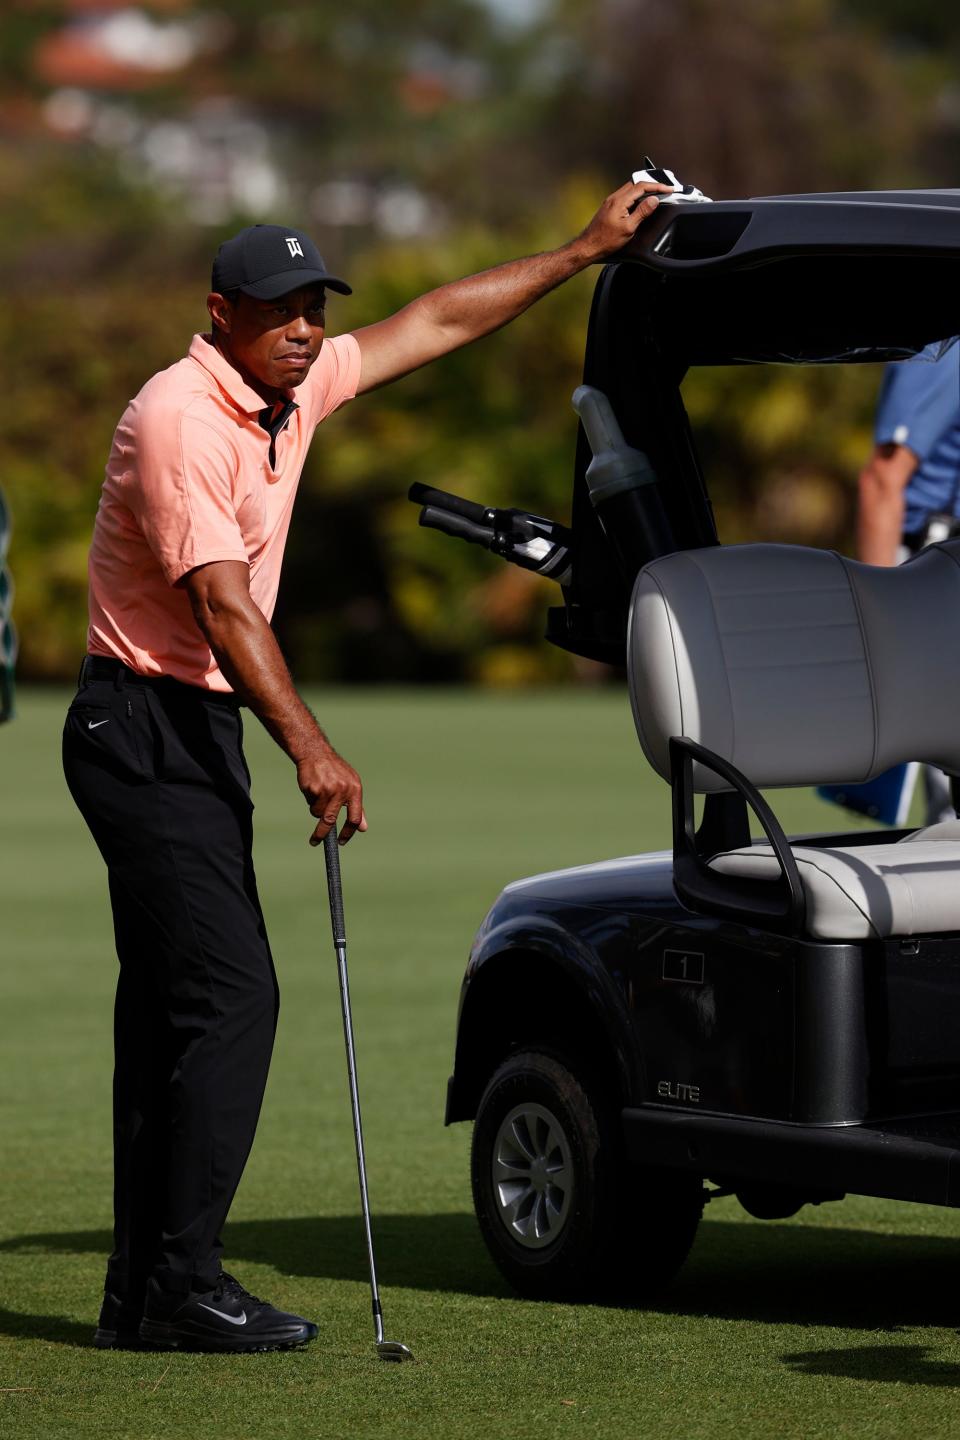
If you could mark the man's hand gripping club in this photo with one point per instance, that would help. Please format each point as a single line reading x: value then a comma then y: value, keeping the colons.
x: 330, y: 785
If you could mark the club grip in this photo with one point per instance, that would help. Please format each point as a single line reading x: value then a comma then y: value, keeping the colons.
x: 331, y: 854
x: 453, y: 524
x: 443, y: 500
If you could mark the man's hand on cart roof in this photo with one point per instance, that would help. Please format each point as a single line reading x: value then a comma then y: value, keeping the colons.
x: 464, y: 310
x: 620, y: 216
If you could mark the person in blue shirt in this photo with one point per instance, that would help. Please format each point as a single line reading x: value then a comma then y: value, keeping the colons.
x: 914, y: 470
x: 913, y: 476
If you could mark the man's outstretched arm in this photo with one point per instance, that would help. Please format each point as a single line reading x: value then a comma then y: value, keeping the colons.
x: 452, y: 316
x: 246, y: 650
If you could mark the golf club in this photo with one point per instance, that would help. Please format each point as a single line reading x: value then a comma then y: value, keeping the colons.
x: 386, y: 1349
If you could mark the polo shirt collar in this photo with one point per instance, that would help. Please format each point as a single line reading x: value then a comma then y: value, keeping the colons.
x: 231, y: 382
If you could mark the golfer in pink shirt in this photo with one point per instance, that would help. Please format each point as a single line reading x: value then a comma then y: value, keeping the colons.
x: 184, y: 569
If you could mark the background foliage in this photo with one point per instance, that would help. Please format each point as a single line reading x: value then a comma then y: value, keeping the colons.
x: 420, y: 141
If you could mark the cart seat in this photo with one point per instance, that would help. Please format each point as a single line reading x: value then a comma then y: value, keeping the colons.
x: 862, y: 892
x: 783, y: 665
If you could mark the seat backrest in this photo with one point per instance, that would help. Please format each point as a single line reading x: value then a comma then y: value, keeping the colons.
x: 799, y: 666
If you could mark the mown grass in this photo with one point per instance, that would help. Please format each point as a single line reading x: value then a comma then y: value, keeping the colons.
x: 840, y: 1323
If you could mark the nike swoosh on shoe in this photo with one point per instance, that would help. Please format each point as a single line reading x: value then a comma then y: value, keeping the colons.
x: 240, y: 1319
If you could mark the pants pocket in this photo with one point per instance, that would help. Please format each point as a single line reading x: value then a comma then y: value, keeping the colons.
x: 110, y: 730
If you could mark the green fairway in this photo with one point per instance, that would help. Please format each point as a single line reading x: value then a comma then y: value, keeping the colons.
x: 839, y: 1323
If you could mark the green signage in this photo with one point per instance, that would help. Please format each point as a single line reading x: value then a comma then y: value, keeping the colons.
x: 8, y: 635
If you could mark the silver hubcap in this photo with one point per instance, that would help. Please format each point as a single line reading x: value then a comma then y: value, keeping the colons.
x: 532, y: 1175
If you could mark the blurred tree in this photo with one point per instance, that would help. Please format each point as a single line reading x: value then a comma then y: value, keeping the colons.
x: 928, y: 24
x: 491, y: 422
x: 764, y: 97
x: 781, y: 445
x: 424, y: 140
x: 392, y: 119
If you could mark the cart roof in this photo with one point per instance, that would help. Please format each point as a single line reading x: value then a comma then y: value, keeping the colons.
x: 829, y: 278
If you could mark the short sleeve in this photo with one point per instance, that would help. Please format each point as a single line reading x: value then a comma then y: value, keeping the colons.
x: 183, y: 494
x: 919, y: 401
x: 333, y: 378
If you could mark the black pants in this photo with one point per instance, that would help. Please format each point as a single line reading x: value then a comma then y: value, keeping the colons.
x: 158, y: 773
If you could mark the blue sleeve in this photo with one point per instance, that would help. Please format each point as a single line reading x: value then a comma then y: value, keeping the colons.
x: 919, y: 400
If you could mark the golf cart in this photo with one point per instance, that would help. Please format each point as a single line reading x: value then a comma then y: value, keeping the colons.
x: 774, y: 1017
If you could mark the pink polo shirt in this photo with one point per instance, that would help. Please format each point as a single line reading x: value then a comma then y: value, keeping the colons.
x: 189, y: 480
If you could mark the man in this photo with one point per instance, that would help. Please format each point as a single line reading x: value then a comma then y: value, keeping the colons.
x: 912, y: 479
x: 184, y: 569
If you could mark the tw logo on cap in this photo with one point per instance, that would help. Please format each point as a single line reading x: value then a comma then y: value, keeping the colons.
x: 293, y: 245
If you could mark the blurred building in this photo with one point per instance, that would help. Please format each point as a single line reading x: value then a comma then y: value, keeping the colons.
x: 109, y: 66
x: 212, y: 153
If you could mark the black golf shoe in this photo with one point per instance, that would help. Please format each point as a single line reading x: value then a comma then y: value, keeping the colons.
x: 225, y: 1318
x: 119, y: 1325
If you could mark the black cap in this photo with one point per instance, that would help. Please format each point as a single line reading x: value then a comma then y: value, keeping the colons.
x: 271, y: 260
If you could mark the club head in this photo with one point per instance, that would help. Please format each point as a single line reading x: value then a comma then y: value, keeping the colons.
x: 393, y: 1350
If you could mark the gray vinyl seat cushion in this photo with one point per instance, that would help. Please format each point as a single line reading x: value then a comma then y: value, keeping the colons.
x: 799, y: 666
x: 863, y: 892
x: 803, y: 667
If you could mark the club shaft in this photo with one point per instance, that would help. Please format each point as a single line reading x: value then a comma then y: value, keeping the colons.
x: 332, y: 858
x: 358, y: 1134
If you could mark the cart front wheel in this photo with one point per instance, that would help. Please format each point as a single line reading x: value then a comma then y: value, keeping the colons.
x: 562, y: 1213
